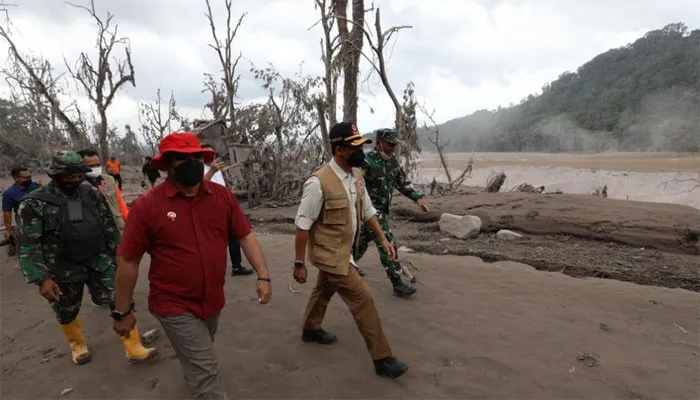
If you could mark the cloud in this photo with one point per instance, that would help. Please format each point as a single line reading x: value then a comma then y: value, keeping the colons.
x: 463, y: 55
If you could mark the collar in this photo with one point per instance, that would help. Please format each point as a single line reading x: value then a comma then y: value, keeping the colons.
x: 171, y: 189
x: 339, y: 171
x: 97, y: 182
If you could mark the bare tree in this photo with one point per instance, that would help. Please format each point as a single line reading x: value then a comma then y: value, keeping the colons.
x: 155, y: 122
x: 97, y: 77
x: 330, y: 44
x: 379, y: 63
x: 405, y: 128
x: 434, y: 137
x: 224, y: 51
x: 218, y: 105
x: 32, y: 75
x: 289, y: 114
x: 409, y: 129
x: 351, y: 41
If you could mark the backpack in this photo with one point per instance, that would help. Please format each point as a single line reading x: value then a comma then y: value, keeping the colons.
x: 81, y: 226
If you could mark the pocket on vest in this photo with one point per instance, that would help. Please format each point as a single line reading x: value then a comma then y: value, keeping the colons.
x: 336, y: 212
x: 327, y: 250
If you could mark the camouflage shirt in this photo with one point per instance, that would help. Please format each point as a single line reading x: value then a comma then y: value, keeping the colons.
x: 382, y: 177
x: 40, y: 240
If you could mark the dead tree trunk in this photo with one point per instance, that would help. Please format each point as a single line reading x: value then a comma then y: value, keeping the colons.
x: 351, y: 42
x: 329, y: 49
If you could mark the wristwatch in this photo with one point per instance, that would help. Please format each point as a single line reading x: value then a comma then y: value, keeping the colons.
x: 118, y: 316
x: 298, y: 264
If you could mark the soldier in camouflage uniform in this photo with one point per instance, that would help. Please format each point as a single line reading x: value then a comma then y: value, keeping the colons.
x: 67, y: 239
x: 383, y: 174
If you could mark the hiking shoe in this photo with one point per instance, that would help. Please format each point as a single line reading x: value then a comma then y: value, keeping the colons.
x: 390, y: 367
x: 319, y: 336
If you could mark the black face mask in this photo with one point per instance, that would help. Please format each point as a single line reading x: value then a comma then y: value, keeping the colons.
x: 357, y: 158
x: 189, y: 173
x: 26, y: 183
x: 69, y: 187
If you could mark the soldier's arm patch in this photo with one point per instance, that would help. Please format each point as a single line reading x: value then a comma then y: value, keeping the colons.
x: 29, y: 237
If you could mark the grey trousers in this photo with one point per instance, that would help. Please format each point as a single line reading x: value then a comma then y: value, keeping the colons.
x: 193, y: 342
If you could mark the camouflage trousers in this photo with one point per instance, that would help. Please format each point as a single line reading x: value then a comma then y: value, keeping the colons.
x: 392, y: 268
x: 101, y: 288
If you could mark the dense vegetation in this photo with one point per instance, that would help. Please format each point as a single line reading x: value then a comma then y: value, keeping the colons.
x: 643, y: 96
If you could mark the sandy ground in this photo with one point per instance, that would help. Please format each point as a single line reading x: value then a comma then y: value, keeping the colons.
x: 474, y: 330
x: 630, y: 162
x: 654, y: 177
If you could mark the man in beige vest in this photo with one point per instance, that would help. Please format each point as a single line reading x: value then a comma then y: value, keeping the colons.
x: 334, y: 204
x: 106, y: 184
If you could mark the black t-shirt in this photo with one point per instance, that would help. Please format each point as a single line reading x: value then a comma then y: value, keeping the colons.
x: 151, y: 173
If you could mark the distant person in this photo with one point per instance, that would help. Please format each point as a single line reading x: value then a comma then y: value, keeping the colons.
x: 107, y: 186
x: 114, y: 169
x: 212, y: 173
x: 67, y: 240
x: 383, y: 174
x: 334, y: 206
x: 11, y: 198
x: 184, y: 224
x: 150, y: 174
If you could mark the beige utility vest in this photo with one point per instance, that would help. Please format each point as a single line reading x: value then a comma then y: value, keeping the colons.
x: 109, y: 190
x: 331, y: 236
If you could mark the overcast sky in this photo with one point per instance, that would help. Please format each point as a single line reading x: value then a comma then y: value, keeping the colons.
x: 463, y: 55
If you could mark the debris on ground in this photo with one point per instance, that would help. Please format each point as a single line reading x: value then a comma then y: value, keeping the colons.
x: 589, y: 359
x: 495, y: 182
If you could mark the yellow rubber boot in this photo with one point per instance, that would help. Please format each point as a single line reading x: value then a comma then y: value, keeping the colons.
x: 78, y: 346
x: 133, y: 348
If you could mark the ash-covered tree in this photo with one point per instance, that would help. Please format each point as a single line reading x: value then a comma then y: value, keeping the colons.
x: 102, y: 77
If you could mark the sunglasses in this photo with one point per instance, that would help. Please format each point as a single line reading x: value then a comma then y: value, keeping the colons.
x: 185, y: 156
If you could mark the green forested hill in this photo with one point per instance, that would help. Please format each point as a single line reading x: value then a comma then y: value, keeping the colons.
x: 643, y: 96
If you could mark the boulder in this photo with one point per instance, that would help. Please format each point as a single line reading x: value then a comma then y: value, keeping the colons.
x: 505, y: 234
x: 460, y: 226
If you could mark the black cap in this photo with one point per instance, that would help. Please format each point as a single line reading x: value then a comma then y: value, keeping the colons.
x: 347, y: 134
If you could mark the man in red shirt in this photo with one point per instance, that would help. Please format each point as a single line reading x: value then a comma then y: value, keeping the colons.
x: 183, y: 224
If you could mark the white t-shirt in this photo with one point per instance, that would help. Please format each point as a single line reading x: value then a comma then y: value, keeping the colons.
x: 217, y: 178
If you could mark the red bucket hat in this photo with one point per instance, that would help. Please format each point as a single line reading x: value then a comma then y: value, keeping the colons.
x: 180, y: 142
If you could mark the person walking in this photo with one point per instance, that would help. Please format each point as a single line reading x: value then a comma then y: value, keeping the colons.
x: 184, y: 223
x: 333, y: 207
x: 150, y: 174
x: 11, y: 198
x: 67, y: 240
x: 107, y: 186
x: 383, y: 174
x: 114, y: 169
x: 212, y: 173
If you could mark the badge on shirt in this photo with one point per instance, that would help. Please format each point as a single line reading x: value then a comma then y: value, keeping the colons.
x: 171, y: 215
x: 360, y: 185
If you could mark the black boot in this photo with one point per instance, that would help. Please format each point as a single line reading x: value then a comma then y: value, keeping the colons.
x: 319, y: 336
x: 401, y: 289
x: 360, y: 271
x: 241, y: 270
x: 390, y: 367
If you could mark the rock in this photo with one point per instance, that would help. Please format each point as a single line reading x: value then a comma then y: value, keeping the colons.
x: 405, y: 249
x: 66, y: 392
x: 505, y: 234
x: 460, y: 226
